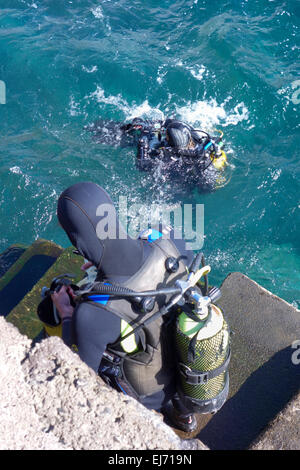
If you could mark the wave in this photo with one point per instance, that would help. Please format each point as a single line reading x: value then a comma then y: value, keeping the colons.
x: 204, y: 113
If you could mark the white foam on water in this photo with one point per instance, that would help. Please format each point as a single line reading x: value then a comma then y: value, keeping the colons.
x: 197, y: 72
x: 17, y: 171
x: 130, y: 111
x: 271, y: 178
x: 208, y: 114
x: 275, y: 174
x: 204, y: 114
x: 98, y: 12
x: 161, y: 73
x: 74, y: 107
x: 92, y: 69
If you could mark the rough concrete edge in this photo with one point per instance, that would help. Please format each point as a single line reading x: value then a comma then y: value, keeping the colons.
x: 16, y: 402
x: 271, y: 294
x: 38, y: 247
x: 147, y: 416
x: 24, y: 313
x: 283, y: 433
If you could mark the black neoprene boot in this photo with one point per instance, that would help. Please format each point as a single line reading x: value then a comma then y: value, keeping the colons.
x: 180, y: 417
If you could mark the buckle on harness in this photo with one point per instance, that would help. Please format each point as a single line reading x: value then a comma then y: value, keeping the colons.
x: 199, y: 378
x: 193, y: 378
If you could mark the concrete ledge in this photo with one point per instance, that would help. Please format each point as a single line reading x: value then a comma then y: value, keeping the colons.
x: 24, y: 315
x: 50, y: 399
x: 284, y: 431
x: 263, y: 375
x: 39, y: 247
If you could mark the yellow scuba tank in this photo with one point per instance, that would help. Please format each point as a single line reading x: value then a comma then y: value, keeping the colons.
x: 219, y: 162
x: 203, y: 350
x: 219, y: 157
x: 53, y: 330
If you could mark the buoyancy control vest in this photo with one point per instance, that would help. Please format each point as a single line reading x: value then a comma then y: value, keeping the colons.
x: 150, y: 366
x: 188, y: 341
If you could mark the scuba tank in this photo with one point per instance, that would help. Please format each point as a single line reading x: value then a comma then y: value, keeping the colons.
x: 203, y: 351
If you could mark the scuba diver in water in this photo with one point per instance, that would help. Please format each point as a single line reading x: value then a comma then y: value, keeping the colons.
x: 182, y: 144
x: 122, y: 332
x: 182, y: 151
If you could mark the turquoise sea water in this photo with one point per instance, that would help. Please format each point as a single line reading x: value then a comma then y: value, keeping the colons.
x: 231, y: 65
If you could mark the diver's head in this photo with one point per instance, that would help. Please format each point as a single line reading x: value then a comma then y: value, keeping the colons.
x: 178, y: 135
x: 88, y: 216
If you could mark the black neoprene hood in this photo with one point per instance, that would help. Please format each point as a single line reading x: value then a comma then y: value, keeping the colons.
x: 178, y: 134
x: 78, y: 211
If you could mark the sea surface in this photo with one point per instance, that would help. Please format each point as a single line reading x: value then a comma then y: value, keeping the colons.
x: 227, y: 65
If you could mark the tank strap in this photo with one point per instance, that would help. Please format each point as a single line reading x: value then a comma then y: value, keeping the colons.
x: 201, y: 377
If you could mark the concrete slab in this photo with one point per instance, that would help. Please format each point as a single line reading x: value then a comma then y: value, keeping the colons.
x: 283, y: 433
x: 27, y: 269
x: 10, y: 256
x: 39, y: 247
x: 24, y: 315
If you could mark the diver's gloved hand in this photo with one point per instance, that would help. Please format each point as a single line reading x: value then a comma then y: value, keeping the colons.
x: 62, y: 301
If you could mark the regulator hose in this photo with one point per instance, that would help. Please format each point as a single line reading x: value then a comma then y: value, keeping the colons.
x: 119, y: 291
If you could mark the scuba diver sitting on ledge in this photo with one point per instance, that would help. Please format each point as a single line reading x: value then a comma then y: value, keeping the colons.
x: 182, y: 149
x: 123, y: 322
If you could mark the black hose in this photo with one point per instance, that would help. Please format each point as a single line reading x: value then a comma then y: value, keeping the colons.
x: 196, y: 263
x: 197, y: 138
x: 100, y: 288
x: 205, y: 276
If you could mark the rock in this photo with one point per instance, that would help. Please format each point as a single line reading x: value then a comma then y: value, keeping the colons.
x: 50, y: 399
x: 20, y: 426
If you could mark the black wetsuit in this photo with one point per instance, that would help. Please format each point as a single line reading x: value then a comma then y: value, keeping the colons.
x: 192, y: 166
x: 93, y: 327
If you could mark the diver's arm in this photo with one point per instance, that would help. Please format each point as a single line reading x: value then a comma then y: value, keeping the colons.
x: 94, y: 329
x: 67, y: 331
x: 65, y: 310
